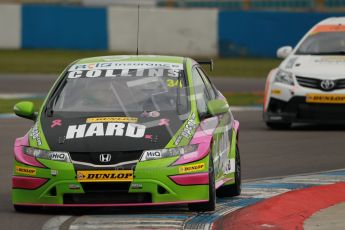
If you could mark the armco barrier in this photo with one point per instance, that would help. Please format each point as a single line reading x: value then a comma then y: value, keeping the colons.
x: 164, y: 31
x: 64, y: 27
x: 261, y: 33
x: 10, y: 24
x: 190, y: 32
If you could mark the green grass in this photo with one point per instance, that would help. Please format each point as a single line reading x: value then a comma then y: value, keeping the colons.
x: 244, y: 99
x: 54, y: 61
x: 40, y: 61
x: 6, y: 105
x: 243, y: 67
x: 234, y: 99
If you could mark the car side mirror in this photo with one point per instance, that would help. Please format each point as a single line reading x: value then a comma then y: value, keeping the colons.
x: 25, y: 109
x: 284, y: 51
x: 217, y: 107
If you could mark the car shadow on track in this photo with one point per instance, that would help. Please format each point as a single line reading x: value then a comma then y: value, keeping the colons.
x: 110, y: 210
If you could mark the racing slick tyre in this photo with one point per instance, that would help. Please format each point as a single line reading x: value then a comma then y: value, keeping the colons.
x: 278, y: 126
x: 211, y: 204
x: 233, y: 189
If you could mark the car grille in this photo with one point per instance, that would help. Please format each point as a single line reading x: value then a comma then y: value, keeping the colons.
x: 107, y: 198
x: 116, y: 157
x: 105, y: 186
x: 87, y: 160
x: 309, y: 111
x: 325, y: 112
x: 316, y: 83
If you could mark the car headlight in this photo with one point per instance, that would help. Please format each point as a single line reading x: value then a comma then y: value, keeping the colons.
x: 164, y: 153
x: 284, y: 77
x: 48, y: 155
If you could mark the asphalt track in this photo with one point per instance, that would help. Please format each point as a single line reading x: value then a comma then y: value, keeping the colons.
x: 264, y: 153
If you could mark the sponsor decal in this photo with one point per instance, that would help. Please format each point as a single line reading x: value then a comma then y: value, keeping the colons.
x: 136, y: 186
x: 192, y: 168
x: 35, y: 134
x: 333, y: 60
x: 97, y: 73
x: 178, y: 140
x: 150, y: 114
x: 74, y: 186
x: 54, y: 172
x: 105, y: 176
x: 112, y: 119
x: 151, y: 137
x: 105, y: 129
x: 326, y: 98
x: 57, y: 122
x: 125, y: 65
x: 173, y: 83
x: 276, y: 91
x: 229, y: 167
x: 57, y: 156
x: 188, y: 129
x: 26, y: 170
x: 152, y: 155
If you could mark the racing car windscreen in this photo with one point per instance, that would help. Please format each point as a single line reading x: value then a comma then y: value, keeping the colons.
x: 324, y: 43
x: 123, y: 90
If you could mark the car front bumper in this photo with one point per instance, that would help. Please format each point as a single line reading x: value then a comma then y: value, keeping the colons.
x: 155, y: 183
x: 298, y: 110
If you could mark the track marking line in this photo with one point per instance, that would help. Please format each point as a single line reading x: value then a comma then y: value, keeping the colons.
x: 55, y: 222
x: 252, y: 193
x: 246, y: 108
x: 21, y: 95
x: 8, y: 116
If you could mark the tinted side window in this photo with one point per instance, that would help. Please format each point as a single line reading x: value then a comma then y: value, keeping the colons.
x: 201, y: 93
x: 208, y: 84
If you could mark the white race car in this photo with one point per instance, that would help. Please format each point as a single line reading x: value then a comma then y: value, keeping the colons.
x: 309, y: 85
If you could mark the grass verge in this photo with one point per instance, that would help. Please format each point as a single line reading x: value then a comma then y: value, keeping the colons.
x: 6, y: 105
x: 54, y: 61
x: 244, y: 99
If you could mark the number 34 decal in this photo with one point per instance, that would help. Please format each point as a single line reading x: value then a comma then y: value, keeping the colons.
x: 173, y: 83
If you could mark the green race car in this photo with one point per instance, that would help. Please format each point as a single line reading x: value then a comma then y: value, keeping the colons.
x: 128, y: 131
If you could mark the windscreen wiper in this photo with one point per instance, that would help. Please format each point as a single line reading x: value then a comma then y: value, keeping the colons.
x: 49, y: 107
x: 178, y: 96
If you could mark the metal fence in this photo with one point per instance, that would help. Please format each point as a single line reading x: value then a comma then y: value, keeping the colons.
x: 293, y: 5
x: 289, y: 5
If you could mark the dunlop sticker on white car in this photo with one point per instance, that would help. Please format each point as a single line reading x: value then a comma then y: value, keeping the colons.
x: 326, y: 98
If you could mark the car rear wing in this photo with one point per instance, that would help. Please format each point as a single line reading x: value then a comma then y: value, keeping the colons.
x: 210, y: 63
